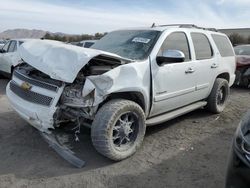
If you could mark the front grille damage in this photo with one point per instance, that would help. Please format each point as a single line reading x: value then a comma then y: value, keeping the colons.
x: 71, y: 106
x: 30, y: 95
x: 38, y: 83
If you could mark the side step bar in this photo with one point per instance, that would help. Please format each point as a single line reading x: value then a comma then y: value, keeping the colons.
x: 173, y: 114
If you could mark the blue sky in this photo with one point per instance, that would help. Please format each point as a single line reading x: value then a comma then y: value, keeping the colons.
x: 81, y: 16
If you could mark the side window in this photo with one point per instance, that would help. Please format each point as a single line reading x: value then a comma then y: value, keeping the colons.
x: 223, y: 45
x: 6, y: 46
x: 202, y: 47
x: 176, y: 41
x: 12, y: 47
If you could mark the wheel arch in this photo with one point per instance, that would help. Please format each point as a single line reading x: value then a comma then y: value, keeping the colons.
x: 224, y: 75
x: 134, y: 96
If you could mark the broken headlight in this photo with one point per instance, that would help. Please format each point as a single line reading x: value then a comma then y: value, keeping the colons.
x: 72, y: 96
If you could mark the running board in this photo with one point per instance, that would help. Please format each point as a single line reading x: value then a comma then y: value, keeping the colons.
x: 173, y: 114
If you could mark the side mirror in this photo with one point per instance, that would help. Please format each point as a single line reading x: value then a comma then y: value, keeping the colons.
x: 170, y: 56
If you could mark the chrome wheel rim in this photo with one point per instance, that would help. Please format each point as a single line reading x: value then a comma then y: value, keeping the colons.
x: 125, y: 131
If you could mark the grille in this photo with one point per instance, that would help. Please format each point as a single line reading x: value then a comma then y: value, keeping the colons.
x: 30, y: 95
x: 35, y: 82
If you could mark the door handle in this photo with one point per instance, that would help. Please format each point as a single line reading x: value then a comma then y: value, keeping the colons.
x: 213, y: 66
x: 190, y: 70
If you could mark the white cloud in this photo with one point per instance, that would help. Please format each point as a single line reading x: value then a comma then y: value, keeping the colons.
x: 39, y: 15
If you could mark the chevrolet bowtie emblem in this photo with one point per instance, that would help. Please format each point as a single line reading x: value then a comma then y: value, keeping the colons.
x: 26, y: 86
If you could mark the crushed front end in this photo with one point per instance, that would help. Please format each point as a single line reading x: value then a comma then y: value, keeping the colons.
x: 34, y: 96
x: 46, y: 104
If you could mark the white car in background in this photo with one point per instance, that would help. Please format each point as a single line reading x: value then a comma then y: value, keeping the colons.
x: 9, y: 57
x: 84, y: 43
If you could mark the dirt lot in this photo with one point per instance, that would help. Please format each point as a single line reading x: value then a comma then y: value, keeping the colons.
x: 190, y: 151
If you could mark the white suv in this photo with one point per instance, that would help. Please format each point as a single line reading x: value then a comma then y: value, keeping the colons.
x: 126, y: 81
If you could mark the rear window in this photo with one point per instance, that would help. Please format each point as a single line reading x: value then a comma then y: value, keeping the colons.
x: 202, y: 46
x: 223, y: 45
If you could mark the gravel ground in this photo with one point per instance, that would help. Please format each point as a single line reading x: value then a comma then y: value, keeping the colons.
x: 190, y: 151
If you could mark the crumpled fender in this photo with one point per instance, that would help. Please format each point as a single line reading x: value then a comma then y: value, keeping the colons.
x: 132, y: 77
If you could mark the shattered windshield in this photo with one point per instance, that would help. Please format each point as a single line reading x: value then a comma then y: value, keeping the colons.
x: 131, y: 44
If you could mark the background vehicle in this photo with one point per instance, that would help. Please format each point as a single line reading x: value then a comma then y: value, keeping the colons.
x: 9, y: 56
x: 2, y: 43
x: 84, y: 43
x: 125, y: 81
x: 243, y: 65
x: 239, y: 161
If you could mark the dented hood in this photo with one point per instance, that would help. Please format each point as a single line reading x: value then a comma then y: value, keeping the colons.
x: 58, y: 60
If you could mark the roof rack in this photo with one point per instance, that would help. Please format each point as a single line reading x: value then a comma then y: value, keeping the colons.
x: 186, y: 26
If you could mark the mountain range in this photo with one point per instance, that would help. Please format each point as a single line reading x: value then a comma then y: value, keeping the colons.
x: 26, y: 33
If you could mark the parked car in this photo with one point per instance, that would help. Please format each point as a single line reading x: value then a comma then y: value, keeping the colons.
x: 238, y: 172
x: 84, y: 43
x: 2, y: 43
x: 243, y: 65
x: 125, y: 81
x: 9, y: 56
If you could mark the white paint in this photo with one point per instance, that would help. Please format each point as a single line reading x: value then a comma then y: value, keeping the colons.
x: 58, y: 60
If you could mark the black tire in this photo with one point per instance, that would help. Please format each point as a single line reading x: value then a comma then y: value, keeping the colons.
x: 109, y: 133
x: 218, y: 97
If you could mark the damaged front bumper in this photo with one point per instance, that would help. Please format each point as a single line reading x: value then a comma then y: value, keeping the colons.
x: 62, y: 150
x: 34, y: 104
x: 40, y: 114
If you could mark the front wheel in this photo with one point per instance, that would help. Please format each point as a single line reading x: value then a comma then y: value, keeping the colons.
x: 118, y: 129
x: 218, y: 97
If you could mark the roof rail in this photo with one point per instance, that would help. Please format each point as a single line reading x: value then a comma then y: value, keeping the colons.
x: 186, y: 26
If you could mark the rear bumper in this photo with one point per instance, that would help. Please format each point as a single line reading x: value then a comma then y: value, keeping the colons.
x: 39, y: 116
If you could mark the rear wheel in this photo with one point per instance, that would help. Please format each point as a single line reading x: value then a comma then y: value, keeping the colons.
x: 218, y: 97
x: 118, y: 129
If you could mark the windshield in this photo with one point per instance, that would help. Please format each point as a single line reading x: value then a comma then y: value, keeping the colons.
x: 242, y: 50
x: 131, y: 44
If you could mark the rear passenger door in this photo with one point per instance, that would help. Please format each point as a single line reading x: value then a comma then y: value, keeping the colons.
x: 206, y: 64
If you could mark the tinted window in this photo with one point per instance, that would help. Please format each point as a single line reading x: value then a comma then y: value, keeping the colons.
x: 12, y: 47
x: 242, y: 50
x: 202, y: 46
x: 176, y: 41
x: 88, y: 44
x: 6, y: 46
x: 223, y: 45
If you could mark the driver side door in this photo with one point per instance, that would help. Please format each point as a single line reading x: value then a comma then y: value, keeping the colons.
x: 174, y: 84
